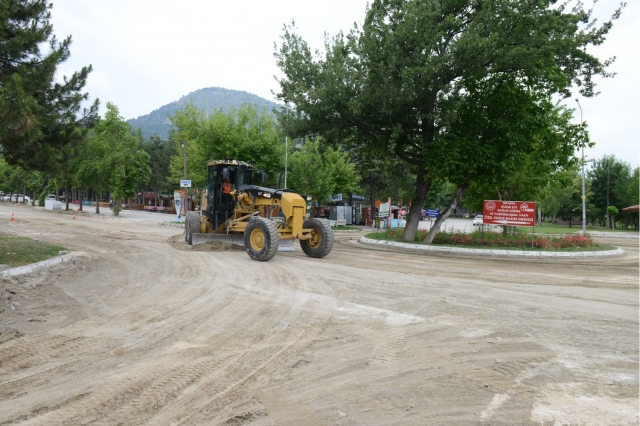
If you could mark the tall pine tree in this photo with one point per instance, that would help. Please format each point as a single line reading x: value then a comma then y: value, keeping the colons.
x: 38, y: 117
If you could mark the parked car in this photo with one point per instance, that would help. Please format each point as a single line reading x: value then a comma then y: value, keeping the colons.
x: 51, y: 197
x: 20, y: 198
x: 6, y: 198
x: 1, y: 193
x: 477, y: 221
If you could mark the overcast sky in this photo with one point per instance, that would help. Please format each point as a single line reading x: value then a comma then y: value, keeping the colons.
x: 148, y: 53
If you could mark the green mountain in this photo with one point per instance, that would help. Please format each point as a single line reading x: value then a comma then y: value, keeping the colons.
x: 208, y: 99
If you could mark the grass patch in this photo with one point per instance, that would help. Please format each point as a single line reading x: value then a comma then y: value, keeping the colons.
x: 493, y: 241
x: 18, y: 251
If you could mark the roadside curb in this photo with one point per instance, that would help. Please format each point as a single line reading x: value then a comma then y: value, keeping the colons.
x: 419, y: 248
x: 613, y: 235
x: 26, y: 269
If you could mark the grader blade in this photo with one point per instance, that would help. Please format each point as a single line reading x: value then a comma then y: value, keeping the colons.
x: 237, y: 239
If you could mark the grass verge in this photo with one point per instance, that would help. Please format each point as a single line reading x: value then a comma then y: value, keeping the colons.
x: 18, y: 251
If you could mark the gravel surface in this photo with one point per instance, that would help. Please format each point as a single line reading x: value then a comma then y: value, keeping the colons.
x: 138, y: 328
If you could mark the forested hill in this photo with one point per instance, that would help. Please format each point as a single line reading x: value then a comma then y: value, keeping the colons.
x: 208, y: 99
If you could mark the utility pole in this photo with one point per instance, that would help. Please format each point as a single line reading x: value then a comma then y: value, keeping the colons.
x: 608, y: 179
x: 184, y: 159
x: 286, y: 146
x: 584, y: 197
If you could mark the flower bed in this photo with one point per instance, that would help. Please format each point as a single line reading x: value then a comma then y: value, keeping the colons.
x: 474, y: 239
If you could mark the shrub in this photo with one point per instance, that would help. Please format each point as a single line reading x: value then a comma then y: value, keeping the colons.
x: 457, y: 238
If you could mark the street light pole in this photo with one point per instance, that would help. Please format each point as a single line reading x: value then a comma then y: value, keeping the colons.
x: 184, y: 159
x: 584, y: 197
x: 286, y: 146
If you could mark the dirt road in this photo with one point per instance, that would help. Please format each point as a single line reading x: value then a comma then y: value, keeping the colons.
x: 139, y: 329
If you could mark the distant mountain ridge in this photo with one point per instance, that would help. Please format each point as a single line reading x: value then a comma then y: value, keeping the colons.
x: 208, y: 99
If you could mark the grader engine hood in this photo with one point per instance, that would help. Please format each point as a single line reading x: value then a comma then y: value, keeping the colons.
x: 294, y: 209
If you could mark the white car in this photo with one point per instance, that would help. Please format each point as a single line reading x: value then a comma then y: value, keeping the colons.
x: 51, y: 197
x: 20, y: 198
x: 477, y: 221
x: 6, y: 198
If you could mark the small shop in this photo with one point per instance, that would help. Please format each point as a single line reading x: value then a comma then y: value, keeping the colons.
x: 348, y: 208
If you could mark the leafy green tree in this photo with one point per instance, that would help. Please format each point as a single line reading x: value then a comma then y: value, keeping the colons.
x: 455, y: 89
x: 321, y: 172
x: 37, y: 115
x: 245, y: 134
x: 550, y: 149
x: 561, y: 192
x: 160, y: 153
x: 610, y: 180
x: 18, y: 180
x: 634, y: 187
x: 113, y: 162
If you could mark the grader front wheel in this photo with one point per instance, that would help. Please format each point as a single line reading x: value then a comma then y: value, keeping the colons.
x: 261, y: 239
x: 321, y: 241
x: 191, y: 226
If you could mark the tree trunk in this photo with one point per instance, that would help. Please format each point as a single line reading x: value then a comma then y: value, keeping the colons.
x: 81, y: 197
x: 372, y: 197
x: 116, y: 207
x: 454, y: 202
x: 422, y: 187
x: 67, y: 193
x: 539, y: 216
x: 98, y: 197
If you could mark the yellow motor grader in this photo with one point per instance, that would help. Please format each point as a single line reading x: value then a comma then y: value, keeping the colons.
x: 263, y: 220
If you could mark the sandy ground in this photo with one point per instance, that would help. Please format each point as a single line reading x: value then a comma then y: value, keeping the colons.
x: 140, y: 329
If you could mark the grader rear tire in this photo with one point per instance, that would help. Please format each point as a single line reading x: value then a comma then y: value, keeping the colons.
x: 191, y: 226
x: 321, y: 241
x: 261, y: 239
x: 186, y: 229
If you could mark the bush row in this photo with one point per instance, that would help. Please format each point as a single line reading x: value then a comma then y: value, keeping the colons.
x: 457, y: 238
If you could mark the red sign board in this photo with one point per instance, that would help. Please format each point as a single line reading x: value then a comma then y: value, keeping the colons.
x: 511, y: 213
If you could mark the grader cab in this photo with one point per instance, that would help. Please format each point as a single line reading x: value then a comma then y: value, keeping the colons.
x: 233, y: 209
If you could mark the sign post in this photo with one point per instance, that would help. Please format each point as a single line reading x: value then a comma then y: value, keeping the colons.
x: 185, y: 183
x: 510, y: 213
x: 383, y: 213
x: 431, y: 213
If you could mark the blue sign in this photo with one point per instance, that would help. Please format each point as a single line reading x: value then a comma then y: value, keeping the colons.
x: 433, y: 213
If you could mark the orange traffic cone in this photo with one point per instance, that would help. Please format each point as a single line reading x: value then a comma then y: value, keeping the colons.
x: 12, y: 217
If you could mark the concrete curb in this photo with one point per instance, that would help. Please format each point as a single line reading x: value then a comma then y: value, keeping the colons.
x: 435, y: 250
x: 613, y: 235
x: 26, y: 269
